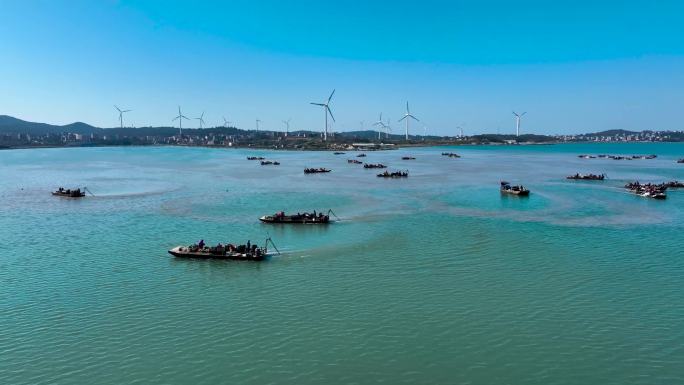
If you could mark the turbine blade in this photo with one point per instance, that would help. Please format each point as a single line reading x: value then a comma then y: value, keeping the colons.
x: 416, y: 119
x: 407, y: 108
x: 331, y: 95
x: 330, y: 112
x: 523, y: 113
x: 402, y: 118
x: 117, y: 108
x: 318, y: 104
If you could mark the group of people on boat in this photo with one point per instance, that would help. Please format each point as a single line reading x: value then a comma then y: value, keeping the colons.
x: 306, y: 217
x: 361, y: 155
x: 72, y: 193
x: 587, y: 176
x: 680, y: 160
x: 648, y: 190
x: 451, y: 154
x: 374, y: 165
x: 315, y: 170
x: 354, y: 161
x: 394, y: 174
x: 407, y: 158
x: 507, y: 188
x: 269, y: 162
x: 229, y: 248
x: 255, y: 158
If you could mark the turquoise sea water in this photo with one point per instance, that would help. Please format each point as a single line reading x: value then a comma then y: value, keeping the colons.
x: 435, y: 279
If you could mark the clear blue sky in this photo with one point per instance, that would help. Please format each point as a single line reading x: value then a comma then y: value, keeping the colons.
x: 574, y: 66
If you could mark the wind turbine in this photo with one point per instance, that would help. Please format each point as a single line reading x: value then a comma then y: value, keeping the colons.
x: 287, y: 126
x: 121, y: 112
x: 461, y: 130
x: 326, y: 111
x: 388, y: 129
x: 180, y: 118
x: 226, y: 123
x: 201, y: 120
x: 257, y: 124
x: 424, y: 132
x: 381, y: 124
x: 517, y: 122
x: 407, y: 117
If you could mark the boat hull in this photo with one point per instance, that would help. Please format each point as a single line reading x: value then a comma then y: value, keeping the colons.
x: 290, y: 220
x: 184, y: 252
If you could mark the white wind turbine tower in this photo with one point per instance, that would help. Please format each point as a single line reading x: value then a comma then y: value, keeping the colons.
x: 407, y: 117
x: 517, y: 122
x: 201, y: 120
x: 388, y: 129
x: 381, y: 124
x: 287, y: 126
x: 121, y: 112
x: 180, y: 118
x: 424, y: 132
x: 326, y: 111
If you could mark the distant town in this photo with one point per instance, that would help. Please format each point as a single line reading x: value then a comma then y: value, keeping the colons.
x: 16, y: 133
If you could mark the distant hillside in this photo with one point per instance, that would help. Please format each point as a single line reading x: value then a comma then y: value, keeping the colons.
x: 11, y: 125
x: 612, y: 133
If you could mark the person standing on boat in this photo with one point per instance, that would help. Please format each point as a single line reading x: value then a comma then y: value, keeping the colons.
x: 249, y: 245
x: 201, y: 244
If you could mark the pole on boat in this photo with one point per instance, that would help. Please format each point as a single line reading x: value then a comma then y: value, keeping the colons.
x: 333, y: 213
x: 273, y: 244
x: 90, y: 192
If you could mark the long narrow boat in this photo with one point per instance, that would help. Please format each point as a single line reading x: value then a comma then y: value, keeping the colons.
x: 299, y: 218
x: 579, y: 176
x: 227, y: 252
x: 69, y: 193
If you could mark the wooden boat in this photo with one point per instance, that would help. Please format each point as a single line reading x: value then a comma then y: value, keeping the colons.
x: 255, y: 158
x: 361, y: 155
x: 315, y: 170
x: 407, y: 158
x: 680, y: 160
x: 354, y: 161
x: 269, y: 162
x: 338, y: 153
x: 371, y: 165
x: 579, y: 176
x: 507, y: 188
x: 69, y: 193
x: 451, y: 154
x: 395, y: 174
x: 299, y: 218
x: 648, y: 190
x: 226, y: 252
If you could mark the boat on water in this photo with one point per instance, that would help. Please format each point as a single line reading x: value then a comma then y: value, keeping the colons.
x: 395, y: 174
x: 674, y: 184
x: 338, y: 153
x: 255, y: 158
x: 361, y: 155
x: 315, y: 170
x: 299, y: 218
x: 451, y: 154
x: 69, y: 193
x: 229, y: 251
x: 579, y: 176
x: 371, y: 165
x: 354, y: 161
x: 407, y: 158
x: 519, y: 190
x: 648, y: 190
x: 269, y: 162
x: 680, y: 160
